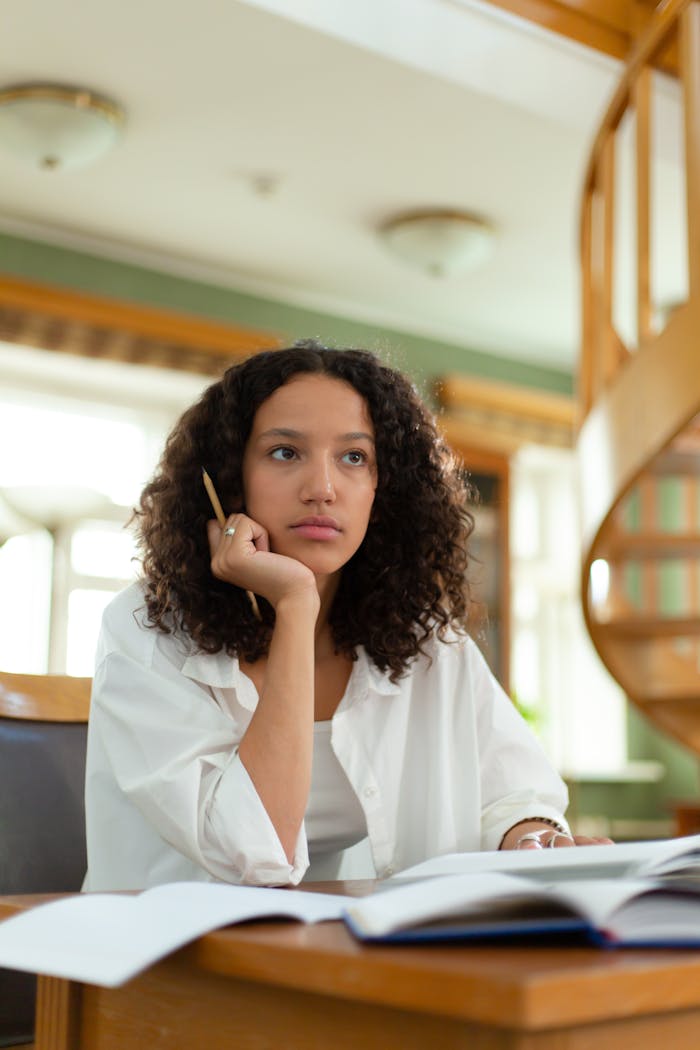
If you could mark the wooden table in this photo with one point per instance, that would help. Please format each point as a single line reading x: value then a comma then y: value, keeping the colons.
x: 288, y: 986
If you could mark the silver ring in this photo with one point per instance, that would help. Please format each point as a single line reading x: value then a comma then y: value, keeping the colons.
x: 555, y: 836
x: 532, y: 836
x: 230, y: 531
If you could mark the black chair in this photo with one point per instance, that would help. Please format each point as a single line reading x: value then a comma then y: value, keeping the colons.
x: 43, y: 731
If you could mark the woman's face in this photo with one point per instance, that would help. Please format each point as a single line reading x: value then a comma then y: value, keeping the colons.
x: 310, y: 473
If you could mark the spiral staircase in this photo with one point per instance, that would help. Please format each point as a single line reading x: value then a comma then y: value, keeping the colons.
x: 639, y: 438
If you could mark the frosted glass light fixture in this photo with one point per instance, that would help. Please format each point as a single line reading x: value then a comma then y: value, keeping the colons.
x: 52, y: 127
x: 443, y: 243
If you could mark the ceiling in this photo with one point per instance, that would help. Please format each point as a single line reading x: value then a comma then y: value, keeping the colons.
x: 266, y: 140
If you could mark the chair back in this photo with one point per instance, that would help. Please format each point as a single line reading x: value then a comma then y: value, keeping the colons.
x: 43, y: 735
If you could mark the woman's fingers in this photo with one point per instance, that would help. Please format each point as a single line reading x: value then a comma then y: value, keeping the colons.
x: 240, y: 534
x: 240, y: 555
x: 586, y: 840
x: 580, y: 840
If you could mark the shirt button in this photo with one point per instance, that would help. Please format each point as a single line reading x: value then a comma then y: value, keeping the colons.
x: 370, y: 792
x: 388, y: 871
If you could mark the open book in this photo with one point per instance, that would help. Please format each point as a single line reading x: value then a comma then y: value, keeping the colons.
x: 677, y: 858
x: 629, y: 912
x: 106, y: 938
x: 632, y: 893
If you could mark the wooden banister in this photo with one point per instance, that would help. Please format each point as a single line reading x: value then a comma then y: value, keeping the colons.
x: 640, y: 407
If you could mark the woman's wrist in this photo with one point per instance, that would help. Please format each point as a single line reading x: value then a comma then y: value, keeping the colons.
x: 299, y: 602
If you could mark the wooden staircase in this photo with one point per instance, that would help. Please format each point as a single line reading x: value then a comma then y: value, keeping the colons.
x: 639, y: 438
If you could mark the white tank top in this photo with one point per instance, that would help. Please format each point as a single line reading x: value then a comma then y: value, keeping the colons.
x: 334, y: 817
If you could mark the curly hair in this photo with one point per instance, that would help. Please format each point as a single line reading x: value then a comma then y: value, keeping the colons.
x: 406, y: 580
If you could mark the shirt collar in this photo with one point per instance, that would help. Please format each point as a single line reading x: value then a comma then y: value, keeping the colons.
x: 366, y: 679
x: 221, y: 671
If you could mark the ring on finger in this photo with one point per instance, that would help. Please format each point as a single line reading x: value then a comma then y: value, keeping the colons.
x: 542, y: 839
x: 230, y: 531
x: 557, y: 835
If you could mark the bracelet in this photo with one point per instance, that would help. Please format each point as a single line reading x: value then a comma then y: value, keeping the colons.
x: 542, y: 820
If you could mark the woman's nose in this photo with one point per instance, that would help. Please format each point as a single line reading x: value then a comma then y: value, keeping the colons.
x: 318, y: 484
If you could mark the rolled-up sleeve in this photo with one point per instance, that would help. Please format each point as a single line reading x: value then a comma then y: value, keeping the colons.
x: 171, y: 750
x: 517, y: 779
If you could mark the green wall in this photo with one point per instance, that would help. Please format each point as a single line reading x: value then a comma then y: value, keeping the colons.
x: 644, y: 801
x: 682, y: 767
x: 424, y: 358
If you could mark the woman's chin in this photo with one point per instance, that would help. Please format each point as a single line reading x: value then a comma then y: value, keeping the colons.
x: 322, y: 567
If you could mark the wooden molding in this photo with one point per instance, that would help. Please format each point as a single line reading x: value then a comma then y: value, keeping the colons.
x: 484, y: 414
x: 463, y: 392
x: 53, y: 318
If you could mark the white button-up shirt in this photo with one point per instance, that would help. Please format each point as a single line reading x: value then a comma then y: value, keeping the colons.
x: 440, y: 761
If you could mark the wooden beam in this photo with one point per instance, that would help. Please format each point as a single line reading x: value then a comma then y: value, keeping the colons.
x: 610, y: 26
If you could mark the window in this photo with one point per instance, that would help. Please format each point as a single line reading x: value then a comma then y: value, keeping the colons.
x: 81, y: 439
x: 577, y: 708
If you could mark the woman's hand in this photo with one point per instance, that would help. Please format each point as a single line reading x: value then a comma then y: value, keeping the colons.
x: 550, y: 838
x: 536, y: 834
x: 241, y: 555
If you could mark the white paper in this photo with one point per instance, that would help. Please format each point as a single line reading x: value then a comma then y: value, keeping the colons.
x: 623, y: 908
x: 446, y: 897
x: 106, y: 939
x: 625, y: 860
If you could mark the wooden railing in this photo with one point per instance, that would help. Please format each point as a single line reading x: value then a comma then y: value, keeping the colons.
x: 639, y: 439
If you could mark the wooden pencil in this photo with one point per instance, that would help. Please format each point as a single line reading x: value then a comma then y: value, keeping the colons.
x: 221, y: 518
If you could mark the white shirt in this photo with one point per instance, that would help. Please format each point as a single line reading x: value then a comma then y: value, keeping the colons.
x: 440, y: 761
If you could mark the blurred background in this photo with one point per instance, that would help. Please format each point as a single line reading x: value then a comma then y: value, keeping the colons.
x: 183, y: 184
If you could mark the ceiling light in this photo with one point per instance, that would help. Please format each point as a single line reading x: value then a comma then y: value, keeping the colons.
x: 442, y: 243
x: 53, y: 127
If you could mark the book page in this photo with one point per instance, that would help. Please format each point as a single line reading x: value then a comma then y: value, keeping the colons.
x: 458, y: 897
x: 625, y: 909
x: 107, y: 938
x: 598, y: 899
x: 635, y: 911
x: 623, y: 860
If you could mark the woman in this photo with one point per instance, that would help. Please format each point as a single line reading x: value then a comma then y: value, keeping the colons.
x: 300, y: 680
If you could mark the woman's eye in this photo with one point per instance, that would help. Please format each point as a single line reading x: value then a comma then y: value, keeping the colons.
x: 283, y: 453
x: 355, y: 458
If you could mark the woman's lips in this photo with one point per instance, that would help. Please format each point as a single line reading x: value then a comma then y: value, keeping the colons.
x: 317, y: 528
